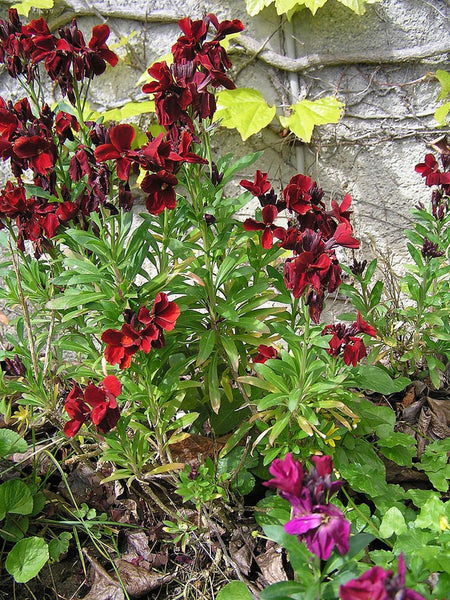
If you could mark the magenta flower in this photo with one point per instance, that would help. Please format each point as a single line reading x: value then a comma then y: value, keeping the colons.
x: 322, y: 528
x: 378, y: 584
x: 288, y: 476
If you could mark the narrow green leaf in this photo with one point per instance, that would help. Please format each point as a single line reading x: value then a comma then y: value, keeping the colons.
x: 205, y: 346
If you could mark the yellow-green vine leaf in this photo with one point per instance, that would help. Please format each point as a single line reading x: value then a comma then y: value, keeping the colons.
x: 287, y: 6
x: 225, y: 43
x: 255, y: 6
x: 444, y: 80
x: 123, y: 41
x: 441, y: 114
x: 357, y: 6
x: 130, y: 109
x: 314, y: 5
x: 23, y: 8
x: 306, y: 114
x: 243, y: 109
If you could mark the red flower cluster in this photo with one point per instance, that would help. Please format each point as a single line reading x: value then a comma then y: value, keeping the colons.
x: 181, y: 90
x: 141, y: 332
x: 432, y: 173
x: 346, y: 338
x: 97, y: 403
x: 66, y: 56
x: 181, y: 94
x: 312, y: 234
x: 440, y: 204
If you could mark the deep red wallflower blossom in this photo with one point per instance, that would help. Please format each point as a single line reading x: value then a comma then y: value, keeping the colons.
x: 430, y: 170
x: 121, y: 137
x: 100, y: 51
x: 39, y: 152
x: 121, y: 345
x: 141, y: 332
x: 164, y: 313
x: 97, y: 403
x: 160, y: 188
x: 345, y: 338
x: 64, y: 124
x: 341, y: 212
x: 269, y: 214
x: 77, y: 410
x: 297, y: 194
x: 264, y: 353
x: 259, y: 187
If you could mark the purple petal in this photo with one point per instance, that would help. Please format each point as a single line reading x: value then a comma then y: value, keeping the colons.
x: 301, y: 525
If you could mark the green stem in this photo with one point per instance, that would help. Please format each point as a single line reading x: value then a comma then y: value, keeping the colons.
x: 26, y: 314
x: 366, y: 519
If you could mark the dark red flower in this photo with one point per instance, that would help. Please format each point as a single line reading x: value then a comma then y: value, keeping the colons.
x: 99, y: 51
x: 103, y: 400
x: 77, y: 410
x: 64, y: 123
x: 264, y: 353
x: 39, y: 152
x: 121, y: 137
x: 160, y: 188
x: 430, y: 170
x: 297, y: 194
x: 164, y: 312
x: 121, y: 345
x: 259, y: 187
x: 269, y: 214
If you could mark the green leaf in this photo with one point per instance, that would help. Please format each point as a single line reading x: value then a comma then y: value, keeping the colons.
x: 243, y: 109
x: 11, y: 442
x: 205, y: 346
x: 399, y: 447
x: 373, y: 378
x: 282, y: 590
x: 444, y: 80
x: 357, y: 6
x: 256, y: 6
x: 23, y: 8
x: 314, y: 5
x: 15, y: 497
x: 235, y: 590
x: 59, y: 545
x: 307, y: 114
x: 432, y: 514
x: 393, y: 522
x: 27, y: 558
x: 73, y: 297
x: 441, y: 114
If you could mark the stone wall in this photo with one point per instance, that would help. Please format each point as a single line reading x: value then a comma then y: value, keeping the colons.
x: 378, y: 64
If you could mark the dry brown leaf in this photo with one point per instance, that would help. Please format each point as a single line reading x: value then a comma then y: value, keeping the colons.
x: 440, y: 417
x: 271, y: 565
x: 409, y: 397
x: 3, y: 319
x: 194, y: 449
x: 137, y: 578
